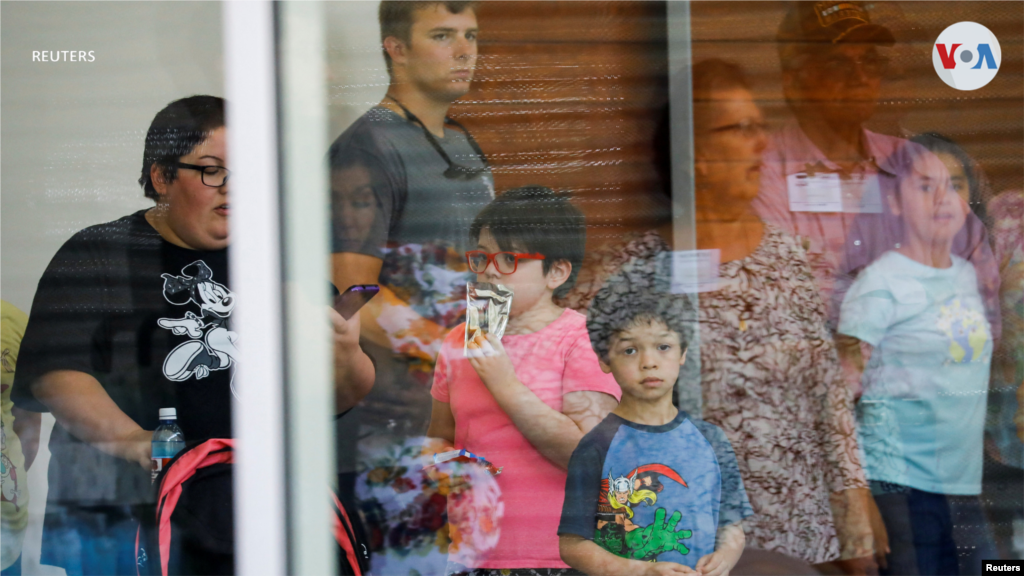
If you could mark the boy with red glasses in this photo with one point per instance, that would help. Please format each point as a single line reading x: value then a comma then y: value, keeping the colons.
x: 528, y: 400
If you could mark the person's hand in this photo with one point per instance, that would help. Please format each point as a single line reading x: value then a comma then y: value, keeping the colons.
x: 345, y: 332
x: 855, y: 514
x: 714, y: 564
x: 487, y: 356
x: 865, y: 566
x: 668, y: 569
x: 731, y: 541
x: 881, y: 535
x: 137, y: 447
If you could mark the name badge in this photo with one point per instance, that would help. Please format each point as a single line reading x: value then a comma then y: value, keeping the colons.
x: 695, y: 271
x: 822, y: 192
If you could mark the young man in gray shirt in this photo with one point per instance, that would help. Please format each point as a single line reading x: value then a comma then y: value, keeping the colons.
x: 406, y: 183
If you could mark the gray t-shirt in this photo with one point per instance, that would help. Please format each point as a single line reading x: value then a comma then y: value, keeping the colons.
x: 389, y: 188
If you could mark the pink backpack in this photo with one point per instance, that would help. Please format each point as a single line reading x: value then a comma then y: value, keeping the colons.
x: 191, y: 528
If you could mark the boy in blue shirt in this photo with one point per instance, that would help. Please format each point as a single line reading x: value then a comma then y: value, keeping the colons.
x: 649, y: 491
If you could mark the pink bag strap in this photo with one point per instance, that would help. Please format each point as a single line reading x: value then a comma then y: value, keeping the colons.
x: 215, y: 451
x: 138, y: 532
x: 342, y: 535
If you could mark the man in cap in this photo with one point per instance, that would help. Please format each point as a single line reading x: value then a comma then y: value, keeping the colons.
x: 819, y: 167
x: 833, y: 60
x: 820, y: 171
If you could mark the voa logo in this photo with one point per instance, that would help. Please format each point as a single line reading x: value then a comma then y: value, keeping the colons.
x: 966, y: 56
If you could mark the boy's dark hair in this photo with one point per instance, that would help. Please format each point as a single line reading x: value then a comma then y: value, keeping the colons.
x: 536, y: 219
x: 636, y: 295
x: 396, y: 18
x: 176, y: 131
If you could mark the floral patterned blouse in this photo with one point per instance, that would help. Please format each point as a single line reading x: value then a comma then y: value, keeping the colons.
x: 771, y: 379
x: 1007, y: 214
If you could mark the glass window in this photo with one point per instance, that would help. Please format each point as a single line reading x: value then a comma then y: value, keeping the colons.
x: 512, y: 287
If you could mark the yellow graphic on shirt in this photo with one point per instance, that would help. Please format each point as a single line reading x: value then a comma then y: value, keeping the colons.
x: 967, y: 330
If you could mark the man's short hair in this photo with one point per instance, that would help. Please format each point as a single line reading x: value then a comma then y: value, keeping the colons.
x: 175, y: 132
x: 638, y: 294
x: 396, y: 18
x: 536, y: 219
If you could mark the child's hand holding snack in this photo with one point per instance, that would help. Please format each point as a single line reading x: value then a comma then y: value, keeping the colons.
x: 487, y: 356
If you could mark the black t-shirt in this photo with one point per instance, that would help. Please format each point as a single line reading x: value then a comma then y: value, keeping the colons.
x: 151, y: 322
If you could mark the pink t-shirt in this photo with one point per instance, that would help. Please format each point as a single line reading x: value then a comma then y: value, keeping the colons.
x: 551, y: 362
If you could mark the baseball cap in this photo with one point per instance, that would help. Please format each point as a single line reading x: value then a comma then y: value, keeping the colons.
x: 831, y: 22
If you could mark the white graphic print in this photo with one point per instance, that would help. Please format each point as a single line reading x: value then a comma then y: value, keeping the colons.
x: 212, y: 345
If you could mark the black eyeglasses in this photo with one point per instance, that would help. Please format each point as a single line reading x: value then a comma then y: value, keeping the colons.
x: 454, y: 171
x: 212, y: 176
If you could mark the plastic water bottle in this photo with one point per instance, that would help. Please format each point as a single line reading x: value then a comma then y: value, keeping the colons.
x: 168, y: 440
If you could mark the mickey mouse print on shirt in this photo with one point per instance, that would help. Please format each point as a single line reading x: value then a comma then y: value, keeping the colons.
x: 211, y: 345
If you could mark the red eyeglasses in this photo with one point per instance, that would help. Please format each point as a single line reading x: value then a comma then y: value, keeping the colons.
x: 504, y: 262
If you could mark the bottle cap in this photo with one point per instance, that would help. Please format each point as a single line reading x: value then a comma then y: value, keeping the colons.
x: 168, y: 414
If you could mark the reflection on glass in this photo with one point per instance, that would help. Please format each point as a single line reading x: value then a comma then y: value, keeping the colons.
x: 130, y: 317
x: 20, y: 440
x: 919, y: 313
x: 769, y: 372
x: 849, y: 373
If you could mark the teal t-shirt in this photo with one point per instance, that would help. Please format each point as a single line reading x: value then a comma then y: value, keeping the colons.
x: 922, y: 415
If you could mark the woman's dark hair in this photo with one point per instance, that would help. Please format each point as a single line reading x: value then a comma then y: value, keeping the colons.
x: 536, y: 219
x: 175, y: 132
x: 939, y: 144
x: 638, y: 294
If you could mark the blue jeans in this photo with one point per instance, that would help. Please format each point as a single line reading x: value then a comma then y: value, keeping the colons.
x: 933, y: 534
x: 90, y: 540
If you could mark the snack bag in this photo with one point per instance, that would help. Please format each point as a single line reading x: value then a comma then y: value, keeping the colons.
x: 487, y: 308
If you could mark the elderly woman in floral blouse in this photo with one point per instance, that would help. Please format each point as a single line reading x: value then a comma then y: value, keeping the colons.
x: 769, y: 370
x: 768, y: 366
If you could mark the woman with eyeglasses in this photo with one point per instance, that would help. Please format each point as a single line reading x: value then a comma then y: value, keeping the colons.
x: 524, y: 401
x: 135, y: 315
x: 769, y: 370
